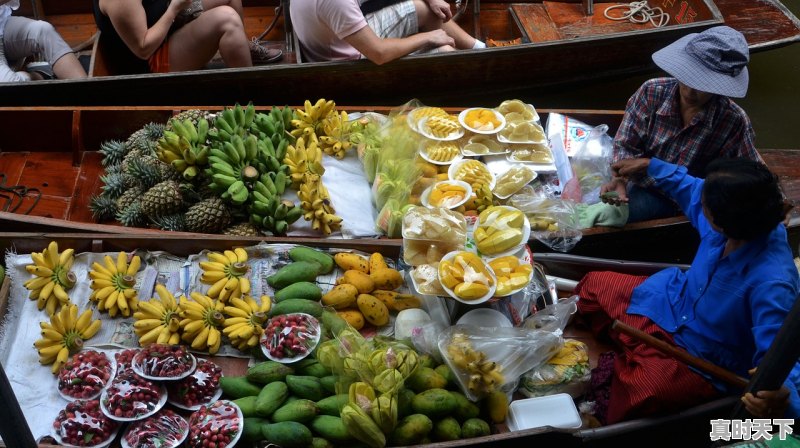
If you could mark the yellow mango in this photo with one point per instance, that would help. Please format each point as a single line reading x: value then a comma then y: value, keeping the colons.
x: 373, y: 310
x: 376, y: 262
x: 341, y: 296
x: 348, y: 261
x: 353, y: 317
x: 406, y: 301
x: 386, y: 278
x: 471, y: 291
x: 360, y: 280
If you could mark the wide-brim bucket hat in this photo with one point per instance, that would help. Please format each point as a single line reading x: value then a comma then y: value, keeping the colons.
x: 714, y: 61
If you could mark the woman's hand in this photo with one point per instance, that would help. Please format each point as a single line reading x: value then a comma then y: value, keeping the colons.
x: 441, y: 9
x: 614, y: 192
x: 767, y: 403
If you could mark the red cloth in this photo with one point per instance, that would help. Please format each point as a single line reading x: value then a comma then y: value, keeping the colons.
x: 645, y: 381
x: 159, y: 61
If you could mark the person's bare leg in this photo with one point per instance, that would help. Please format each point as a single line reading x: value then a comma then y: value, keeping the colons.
x: 68, y: 67
x: 235, y: 4
x: 463, y: 40
x: 192, y: 46
x: 428, y: 21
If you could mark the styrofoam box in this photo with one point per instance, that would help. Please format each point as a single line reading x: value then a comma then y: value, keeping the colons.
x: 556, y: 410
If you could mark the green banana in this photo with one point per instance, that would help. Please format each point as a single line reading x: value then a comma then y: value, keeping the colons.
x: 281, y: 211
x: 202, y: 130
x: 223, y: 168
x: 280, y: 227
x: 280, y: 182
x: 238, y: 115
x: 294, y: 214
x: 190, y: 172
x: 269, y: 184
x: 249, y: 115
x: 224, y: 180
x: 233, y: 154
x: 251, y: 147
x: 261, y: 197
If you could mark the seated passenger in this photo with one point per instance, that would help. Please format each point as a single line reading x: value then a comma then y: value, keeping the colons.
x: 379, y: 30
x: 22, y: 38
x: 726, y: 308
x: 157, y: 36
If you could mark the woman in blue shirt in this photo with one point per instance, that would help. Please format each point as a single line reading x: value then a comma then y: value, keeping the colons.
x: 726, y: 308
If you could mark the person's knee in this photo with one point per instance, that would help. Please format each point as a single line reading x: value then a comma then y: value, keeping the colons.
x: 42, y: 31
x: 226, y: 18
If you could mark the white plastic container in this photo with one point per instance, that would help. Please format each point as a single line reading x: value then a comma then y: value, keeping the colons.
x: 557, y: 411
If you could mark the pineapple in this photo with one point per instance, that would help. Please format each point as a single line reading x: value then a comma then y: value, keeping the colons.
x: 162, y: 199
x: 128, y: 197
x: 144, y: 139
x: 146, y: 170
x: 113, y: 152
x: 132, y: 216
x: 103, y: 207
x: 175, y: 222
x: 194, y: 115
x: 207, y: 216
x: 113, y: 185
x: 242, y: 229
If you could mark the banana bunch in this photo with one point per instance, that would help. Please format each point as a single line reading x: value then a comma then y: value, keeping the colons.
x: 245, y: 322
x: 64, y: 335
x: 335, y: 140
x: 303, y: 158
x: 233, y: 166
x: 273, y: 126
x: 52, y: 277
x: 316, y: 204
x: 232, y: 121
x: 267, y: 210
x: 309, y: 118
x: 201, y: 322
x: 113, y: 284
x: 157, y: 320
x: 484, y: 376
x: 185, y: 147
x: 226, y: 273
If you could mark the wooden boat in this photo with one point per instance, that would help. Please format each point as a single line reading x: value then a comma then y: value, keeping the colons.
x: 64, y: 165
x: 694, y: 422
x: 559, y: 44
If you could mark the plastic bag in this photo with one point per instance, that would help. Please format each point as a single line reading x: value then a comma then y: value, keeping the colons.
x: 591, y: 167
x: 85, y: 375
x: 553, y: 317
x: 554, y: 222
x: 488, y: 359
x: 166, y: 429
x: 570, y: 132
x: 81, y: 423
x: 566, y: 372
x: 197, y: 389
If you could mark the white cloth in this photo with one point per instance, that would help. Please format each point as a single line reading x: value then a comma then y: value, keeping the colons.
x: 5, y: 11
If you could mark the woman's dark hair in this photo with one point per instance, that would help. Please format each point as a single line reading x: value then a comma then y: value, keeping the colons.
x: 743, y: 197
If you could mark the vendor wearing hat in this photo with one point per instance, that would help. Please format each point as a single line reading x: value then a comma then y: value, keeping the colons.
x: 688, y: 119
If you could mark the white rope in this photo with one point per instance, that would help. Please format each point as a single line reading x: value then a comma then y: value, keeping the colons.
x: 640, y: 12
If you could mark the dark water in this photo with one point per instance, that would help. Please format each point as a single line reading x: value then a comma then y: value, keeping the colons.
x: 772, y: 101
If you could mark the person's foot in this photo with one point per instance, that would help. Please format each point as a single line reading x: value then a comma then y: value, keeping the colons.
x: 39, y: 70
x: 263, y: 55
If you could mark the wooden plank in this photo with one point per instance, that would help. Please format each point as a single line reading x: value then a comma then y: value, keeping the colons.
x: 761, y: 22
x: 12, y: 164
x: 535, y: 23
x: 88, y: 185
x: 52, y: 173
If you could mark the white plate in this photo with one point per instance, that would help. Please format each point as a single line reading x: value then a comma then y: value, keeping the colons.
x: 542, y: 140
x: 113, y: 361
x: 424, y: 154
x: 455, y: 166
x: 214, y: 398
x: 124, y: 442
x: 484, y: 317
x: 101, y: 445
x: 527, y: 105
x: 557, y: 410
x: 312, y: 321
x: 423, y: 198
x: 162, y: 400
x: 412, y: 119
x: 137, y: 367
x: 521, y: 256
x: 499, y: 196
x: 449, y: 257
x: 462, y: 118
x: 452, y: 136
x: 239, y: 416
x: 526, y: 234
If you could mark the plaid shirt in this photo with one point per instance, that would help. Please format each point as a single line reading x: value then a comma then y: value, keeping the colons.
x: 653, y: 127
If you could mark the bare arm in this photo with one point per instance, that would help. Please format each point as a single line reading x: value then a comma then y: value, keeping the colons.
x: 130, y: 22
x: 381, y: 51
x: 441, y: 9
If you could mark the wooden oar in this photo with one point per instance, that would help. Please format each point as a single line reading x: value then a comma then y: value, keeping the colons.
x: 681, y: 355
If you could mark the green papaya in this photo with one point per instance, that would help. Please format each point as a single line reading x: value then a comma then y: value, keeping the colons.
x: 435, y: 403
x: 315, y: 369
x: 247, y: 405
x: 238, y: 386
x: 333, y: 322
x: 299, y: 290
x: 301, y: 411
x: 404, y: 397
x: 425, y: 378
x: 271, y: 397
x: 251, y: 429
x: 475, y: 427
x: 446, y: 429
x: 333, y: 405
x: 267, y: 372
x: 287, y: 434
x: 447, y: 374
x: 302, y: 253
x: 426, y: 361
x: 296, y: 306
x: 319, y: 442
x: 331, y: 428
x: 298, y: 271
x: 328, y: 383
x: 411, y: 430
x: 465, y: 409
x: 305, y: 386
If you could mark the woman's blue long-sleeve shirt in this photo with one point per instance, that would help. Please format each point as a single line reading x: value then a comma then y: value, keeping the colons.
x: 725, y: 310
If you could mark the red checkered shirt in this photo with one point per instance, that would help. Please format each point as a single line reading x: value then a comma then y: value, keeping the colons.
x: 653, y: 127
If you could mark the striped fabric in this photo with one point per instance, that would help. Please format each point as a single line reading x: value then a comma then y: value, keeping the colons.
x: 645, y: 381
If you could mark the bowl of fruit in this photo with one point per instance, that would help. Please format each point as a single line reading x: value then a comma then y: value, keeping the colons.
x: 82, y: 423
x: 131, y: 397
x: 166, y: 429
x: 197, y: 389
x: 290, y: 337
x: 85, y: 375
x: 219, y: 423
x: 501, y: 230
x: 448, y: 194
x: 467, y: 278
x: 162, y: 362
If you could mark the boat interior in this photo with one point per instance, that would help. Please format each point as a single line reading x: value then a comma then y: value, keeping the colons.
x: 498, y: 22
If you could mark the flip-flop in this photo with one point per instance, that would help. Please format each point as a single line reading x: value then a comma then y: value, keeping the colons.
x: 42, y: 68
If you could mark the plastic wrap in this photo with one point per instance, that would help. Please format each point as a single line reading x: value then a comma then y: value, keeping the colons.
x: 566, y: 372
x: 290, y: 337
x: 164, y: 362
x: 430, y: 233
x: 130, y: 397
x: 501, y: 230
x: 554, y: 222
x: 82, y: 423
x: 85, y: 375
x: 166, y: 429
x: 488, y: 359
x: 553, y: 317
x: 199, y: 388
x: 222, y: 418
x: 591, y: 166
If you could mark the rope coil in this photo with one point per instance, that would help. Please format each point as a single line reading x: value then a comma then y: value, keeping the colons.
x: 640, y: 12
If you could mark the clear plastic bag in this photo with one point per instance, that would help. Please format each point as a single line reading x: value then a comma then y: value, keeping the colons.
x: 488, y: 359
x: 166, y: 429
x: 553, y: 317
x: 566, y: 372
x: 591, y: 166
x: 554, y: 222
